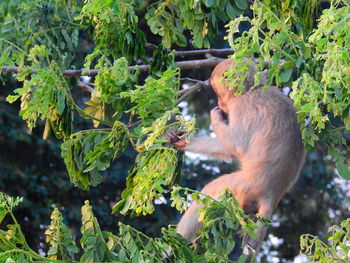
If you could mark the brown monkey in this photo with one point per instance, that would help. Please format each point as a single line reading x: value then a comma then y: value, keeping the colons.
x: 258, y: 128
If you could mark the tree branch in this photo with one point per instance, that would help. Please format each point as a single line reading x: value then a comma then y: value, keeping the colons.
x: 197, y: 52
x: 212, y: 51
x: 187, y: 92
x: 85, y: 86
x: 190, y: 64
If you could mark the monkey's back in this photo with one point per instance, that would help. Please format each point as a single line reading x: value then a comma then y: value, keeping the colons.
x: 267, y: 134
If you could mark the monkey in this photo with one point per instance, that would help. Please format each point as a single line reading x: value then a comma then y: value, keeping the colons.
x: 259, y: 129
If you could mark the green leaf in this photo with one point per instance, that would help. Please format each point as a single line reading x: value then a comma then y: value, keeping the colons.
x: 62, y: 246
x: 241, y: 4
x: 92, y: 241
x: 152, y: 169
x: 209, y: 3
x: 343, y: 170
x: 12, y: 98
x: 231, y: 11
x: 299, y: 62
x: 285, y: 74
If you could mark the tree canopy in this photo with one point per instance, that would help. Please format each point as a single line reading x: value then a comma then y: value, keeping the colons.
x: 135, y: 53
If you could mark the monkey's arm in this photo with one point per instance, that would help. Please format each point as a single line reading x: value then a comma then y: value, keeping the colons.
x: 223, y: 131
x: 208, y: 146
x: 203, y: 145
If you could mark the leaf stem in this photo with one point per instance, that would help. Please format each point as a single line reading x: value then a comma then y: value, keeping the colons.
x: 83, y: 114
x: 13, y: 44
x: 289, y: 35
x: 29, y: 251
x: 31, y: 38
x: 277, y: 47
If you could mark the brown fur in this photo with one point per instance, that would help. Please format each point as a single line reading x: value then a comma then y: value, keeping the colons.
x: 260, y: 130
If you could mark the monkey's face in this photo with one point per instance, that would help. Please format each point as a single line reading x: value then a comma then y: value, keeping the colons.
x: 223, y: 94
x: 218, y: 84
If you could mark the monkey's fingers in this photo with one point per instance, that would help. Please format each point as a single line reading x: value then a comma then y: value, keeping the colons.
x: 173, y: 135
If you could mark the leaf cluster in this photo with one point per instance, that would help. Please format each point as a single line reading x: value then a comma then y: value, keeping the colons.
x: 156, y: 96
x: 87, y: 153
x: 224, y: 224
x: 130, y: 245
x: 106, y: 102
x: 152, y: 171
x: 27, y: 23
x: 170, y: 19
x: 115, y: 29
x: 44, y: 95
x: 59, y: 236
x: 336, y: 250
x: 220, y: 223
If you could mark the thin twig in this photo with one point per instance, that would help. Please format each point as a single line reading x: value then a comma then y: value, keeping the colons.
x: 212, y: 51
x: 150, y: 46
x: 190, y: 64
x: 197, y: 52
x: 190, y: 80
x: 186, y: 92
x: 85, y: 86
x: 133, y: 125
x: 202, y: 83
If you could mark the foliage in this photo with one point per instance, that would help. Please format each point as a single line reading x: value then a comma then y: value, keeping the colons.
x: 170, y: 18
x: 221, y: 219
x: 59, y: 236
x: 41, y: 22
x: 106, y: 102
x: 314, y: 62
x: 162, y: 60
x: 85, y: 153
x: 147, y: 179
x: 44, y: 96
x: 155, y: 97
x: 115, y: 26
x: 130, y: 245
x: 93, y: 242
x: 338, y: 249
x: 116, y: 22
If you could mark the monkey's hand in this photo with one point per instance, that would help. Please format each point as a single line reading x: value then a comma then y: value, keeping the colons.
x: 218, y: 116
x: 174, y: 137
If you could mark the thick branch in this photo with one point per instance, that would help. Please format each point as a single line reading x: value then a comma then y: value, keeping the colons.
x: 186, y: 92
x: 190, y: 64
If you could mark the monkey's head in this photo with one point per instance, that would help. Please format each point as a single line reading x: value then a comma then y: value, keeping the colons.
x: 224, y: 94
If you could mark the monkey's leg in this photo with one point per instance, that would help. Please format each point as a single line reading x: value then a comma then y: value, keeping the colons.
x: 255, y: 243
x: 189, y: 225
